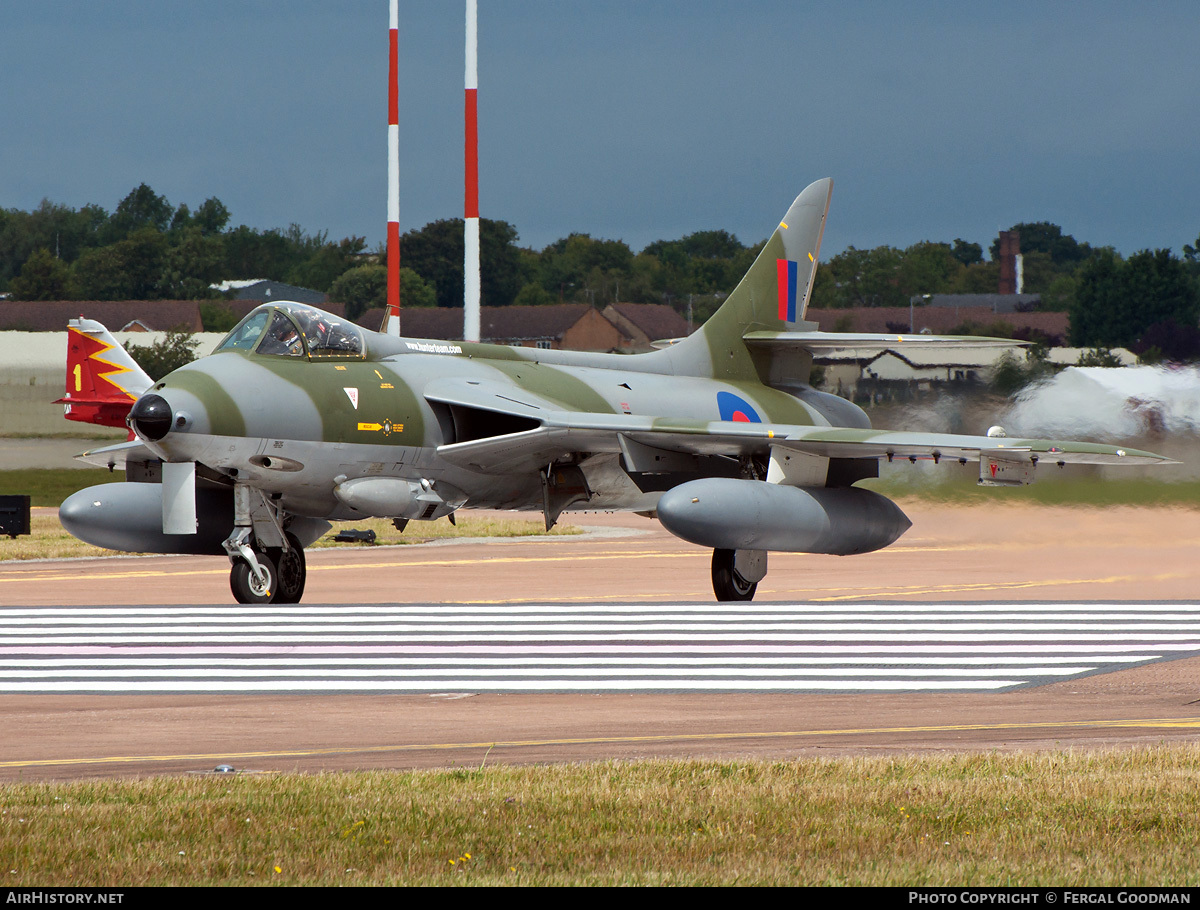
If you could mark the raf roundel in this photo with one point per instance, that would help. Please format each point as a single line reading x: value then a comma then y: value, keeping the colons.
x: 735, y: 408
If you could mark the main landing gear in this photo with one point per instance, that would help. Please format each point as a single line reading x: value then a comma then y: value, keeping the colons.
x: 736, y: 573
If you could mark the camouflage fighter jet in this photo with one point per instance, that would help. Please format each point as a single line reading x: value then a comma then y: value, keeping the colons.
x: 300, y: 418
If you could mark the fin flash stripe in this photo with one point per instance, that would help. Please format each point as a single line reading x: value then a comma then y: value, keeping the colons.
x: 786, y: 274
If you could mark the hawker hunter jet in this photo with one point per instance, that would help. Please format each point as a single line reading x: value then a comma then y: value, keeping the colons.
x: 300, y: 418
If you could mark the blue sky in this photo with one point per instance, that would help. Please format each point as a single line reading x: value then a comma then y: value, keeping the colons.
x: 630, y: 120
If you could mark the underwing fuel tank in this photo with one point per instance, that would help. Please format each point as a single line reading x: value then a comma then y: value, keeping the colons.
x: 128, y: 516
x: 729, y: 514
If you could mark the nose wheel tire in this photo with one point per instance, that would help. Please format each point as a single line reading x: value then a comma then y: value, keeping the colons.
x: 292, y: 572
x: 246, y: 588
x: 727, y: 583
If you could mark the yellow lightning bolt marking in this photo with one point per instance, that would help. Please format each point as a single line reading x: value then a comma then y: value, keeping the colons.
x: 115, y: 368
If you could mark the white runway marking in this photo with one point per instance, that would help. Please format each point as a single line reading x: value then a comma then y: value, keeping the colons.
x: 568, y: 648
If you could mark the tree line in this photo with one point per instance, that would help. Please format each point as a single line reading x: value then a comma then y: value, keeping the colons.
x: 149, y: 249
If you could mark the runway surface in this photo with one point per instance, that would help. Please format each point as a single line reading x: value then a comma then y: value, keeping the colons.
x: 636, y: 648
x: 993, y: 627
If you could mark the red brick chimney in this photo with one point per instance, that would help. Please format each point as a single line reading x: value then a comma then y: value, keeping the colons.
x: 1010, y: 246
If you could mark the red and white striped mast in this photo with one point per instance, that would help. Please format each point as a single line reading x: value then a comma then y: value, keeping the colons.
x: 391, y: 318
x: 471, y: 207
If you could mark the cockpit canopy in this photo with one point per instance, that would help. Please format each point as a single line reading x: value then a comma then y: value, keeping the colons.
x: 287, y: 329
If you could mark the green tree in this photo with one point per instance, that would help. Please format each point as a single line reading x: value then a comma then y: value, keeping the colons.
x: 129, y: 269
x: 63, y: 231
x: 966, y: 253
x: 1044, y: 237
x: 980, y: 278
x: 43, y: 277
x: 326, y: 263
x: 435, y: 252
x: 927, y: 268
x: 253, y: 254
x: 1117, y: 301
x: 216, y: 316
x: 211, y: 217
x: 192, y: 266
x: 360, y: 289
x: 867, y: 277
x: 142, y: 208
x: 533, y: 294
x: 1060, y: 295
x: 161, y: 357
x: 415, y: 291
x: 582, y: 267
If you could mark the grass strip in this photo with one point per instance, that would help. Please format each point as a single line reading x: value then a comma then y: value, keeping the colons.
x: 1088, y: 492
x: 48, y: 540
x: 1127, y: 817
x: 50, y: 486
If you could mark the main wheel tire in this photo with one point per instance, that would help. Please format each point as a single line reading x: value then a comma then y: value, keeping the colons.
x: 727, y: 583
x: 246, y: 589
x: 292, y: 571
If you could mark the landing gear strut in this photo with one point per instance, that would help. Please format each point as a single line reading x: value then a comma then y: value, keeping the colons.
x: 262, y: 573
x: 736, y: 573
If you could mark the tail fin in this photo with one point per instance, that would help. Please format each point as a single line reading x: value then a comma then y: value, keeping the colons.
x: 772, y: 296
x: 103, y: 381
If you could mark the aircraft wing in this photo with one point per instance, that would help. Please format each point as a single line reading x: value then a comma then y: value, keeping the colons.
x: 563, y: 433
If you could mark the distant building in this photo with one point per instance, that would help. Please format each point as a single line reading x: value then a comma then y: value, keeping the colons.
x: 646, y: 323
x: 999, y: 303
x: 571, y: 326
x: 120, y: 315
x: 266, y: 290
x: 621, y: 327
x: 937, y: 320
x: 117, y: 315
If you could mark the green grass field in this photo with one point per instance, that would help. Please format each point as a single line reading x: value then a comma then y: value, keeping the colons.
x: 1128, y: 818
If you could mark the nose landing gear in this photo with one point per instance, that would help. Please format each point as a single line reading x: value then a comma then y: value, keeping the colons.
x: 267, y: 563
x: 280, y: 579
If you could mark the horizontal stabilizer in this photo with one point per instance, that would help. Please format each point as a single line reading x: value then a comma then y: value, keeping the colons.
x: 824, y: 342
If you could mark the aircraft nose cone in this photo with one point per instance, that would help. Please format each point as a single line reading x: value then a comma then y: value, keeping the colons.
x: 150, y: 417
